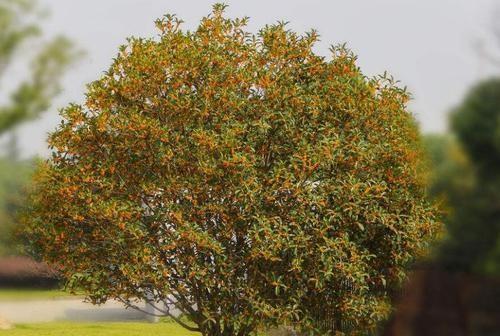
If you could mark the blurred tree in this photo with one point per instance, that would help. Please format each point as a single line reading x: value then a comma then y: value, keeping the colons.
x: 14, y: 179
x: 476, y: 124
x: 238, y: 178
x: 472, y: 185
x: 24, y: 97
x: 452, y: 175
x: 50, y: 59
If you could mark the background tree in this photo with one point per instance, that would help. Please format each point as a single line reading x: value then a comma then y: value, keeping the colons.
x: 14, y: 179
x: 473, y: 224
x: 239, y: 178
x: 23, y: 99
x: 33, y: 94
x: 452, y: 173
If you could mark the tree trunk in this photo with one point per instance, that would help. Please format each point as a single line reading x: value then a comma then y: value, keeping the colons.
x: 217, y: 330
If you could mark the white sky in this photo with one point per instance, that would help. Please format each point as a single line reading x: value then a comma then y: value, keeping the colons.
x: 427, y: 44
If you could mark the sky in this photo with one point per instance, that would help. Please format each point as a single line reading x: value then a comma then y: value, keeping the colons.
x: 429, y: 45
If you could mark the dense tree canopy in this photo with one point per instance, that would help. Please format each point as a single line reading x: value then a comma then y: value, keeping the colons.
x: 240, y: 178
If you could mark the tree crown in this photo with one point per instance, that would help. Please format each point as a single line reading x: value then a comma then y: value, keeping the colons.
x: 240, y: 178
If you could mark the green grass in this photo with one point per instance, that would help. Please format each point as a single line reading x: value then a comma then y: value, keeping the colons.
x: 98, y: 329
x: 7, y: 294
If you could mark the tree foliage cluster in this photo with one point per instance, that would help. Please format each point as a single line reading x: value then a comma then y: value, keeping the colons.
x: 14, y: 179
x: 239, y: 178
x: 49, y: 60
x: 22, y: 45
x: 468, y: 167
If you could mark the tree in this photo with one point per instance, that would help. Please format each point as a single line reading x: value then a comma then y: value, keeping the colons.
x: 32, y: 96
x: 24, y: 100
x: 474, y: 229
x: 14, y: 178
x: 452, y: 174
x: 239, y: 178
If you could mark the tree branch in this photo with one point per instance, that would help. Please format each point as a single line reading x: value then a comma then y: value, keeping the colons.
x: 165, y: 313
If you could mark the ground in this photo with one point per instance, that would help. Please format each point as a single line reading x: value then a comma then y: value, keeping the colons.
x: 33, y: 305
x: 9, y: 294
x: 97, y: 329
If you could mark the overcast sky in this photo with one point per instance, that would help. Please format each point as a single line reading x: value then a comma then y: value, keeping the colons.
x: 427, y: 44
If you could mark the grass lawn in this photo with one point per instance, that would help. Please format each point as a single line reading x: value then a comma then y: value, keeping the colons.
x: 7, y: 294
x: 98, y: 329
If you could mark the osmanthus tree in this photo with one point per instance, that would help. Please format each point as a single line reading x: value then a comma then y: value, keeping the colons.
x: 240, y: 179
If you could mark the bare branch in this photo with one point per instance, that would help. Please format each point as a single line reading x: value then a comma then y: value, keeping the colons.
x: 165, y: 313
